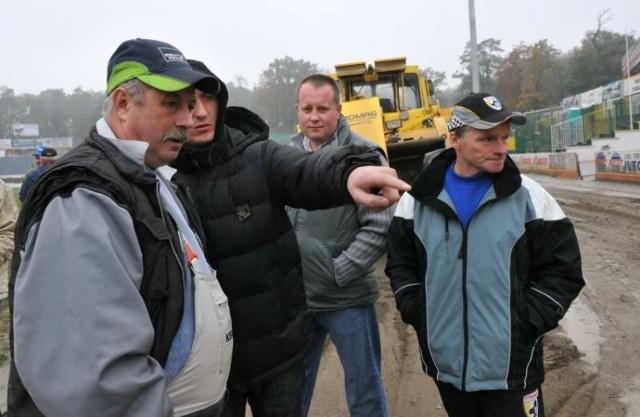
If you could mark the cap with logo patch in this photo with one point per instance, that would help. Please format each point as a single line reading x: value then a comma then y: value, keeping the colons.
x: 48, y: 153
x: 158, y: 65
x: 482, y: 111
x: 45, y: 152
x: 38, y: 152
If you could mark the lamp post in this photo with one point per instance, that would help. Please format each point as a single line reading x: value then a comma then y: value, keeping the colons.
x: 626, y: 46
x: 475, y: 77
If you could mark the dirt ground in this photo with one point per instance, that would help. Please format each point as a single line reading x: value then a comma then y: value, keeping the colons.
x: 592, y: 359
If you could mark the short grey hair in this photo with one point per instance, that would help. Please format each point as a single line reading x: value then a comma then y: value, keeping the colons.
x: 460, y: 131
x: 135, y: 88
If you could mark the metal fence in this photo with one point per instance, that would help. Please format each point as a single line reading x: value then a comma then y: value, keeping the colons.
x: 535, y: 135
x: 552, y: 130
x: 567, y: 133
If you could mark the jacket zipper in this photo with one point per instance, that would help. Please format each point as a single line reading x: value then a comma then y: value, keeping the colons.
x: 465, y: 318
x: 465, y: 312
x: 446, y: 237
x: 173, y: 247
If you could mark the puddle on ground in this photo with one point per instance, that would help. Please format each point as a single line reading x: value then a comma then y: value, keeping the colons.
x: 631, y: 397
x: 582, y: 326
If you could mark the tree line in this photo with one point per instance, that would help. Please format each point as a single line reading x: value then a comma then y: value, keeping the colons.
x: 538, y: 76
x: 528, y: 77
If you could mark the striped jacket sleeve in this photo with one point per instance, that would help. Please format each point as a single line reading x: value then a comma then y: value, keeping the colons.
x: 406, y: 263
x: 556, y: 265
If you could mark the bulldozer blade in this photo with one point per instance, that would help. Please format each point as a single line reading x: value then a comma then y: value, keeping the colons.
x: 407, y: 157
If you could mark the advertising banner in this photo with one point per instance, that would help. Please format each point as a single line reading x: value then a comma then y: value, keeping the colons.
x: 572, y: 102
x: 24, y: 130
x: 621, y: 162
x: 563, y: 161
x: 56, y: 143
x: 591, y: 97
x: 612, y: 91
x: 562, y: 165
x: 632, y: 85
x: 634, y: 58
x: 24, y: 143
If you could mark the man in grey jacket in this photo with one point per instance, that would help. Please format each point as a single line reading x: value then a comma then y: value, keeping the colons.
x: 483, y: 262
x: 115, y: 310
x: 339, y: 249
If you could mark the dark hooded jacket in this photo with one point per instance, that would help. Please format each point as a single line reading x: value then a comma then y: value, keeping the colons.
x: 240, y: 183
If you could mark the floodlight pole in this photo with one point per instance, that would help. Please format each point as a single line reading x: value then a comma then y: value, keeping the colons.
x: 475, y: 75
x: 626, y: 47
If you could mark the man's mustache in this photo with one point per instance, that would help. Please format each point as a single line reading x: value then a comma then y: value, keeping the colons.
x: 176, y: 134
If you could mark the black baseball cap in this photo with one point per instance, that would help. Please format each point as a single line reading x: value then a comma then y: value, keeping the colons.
x: 45, y: 152
x: 158, y: 65
x: 482, y: 111
x: 48, y: 153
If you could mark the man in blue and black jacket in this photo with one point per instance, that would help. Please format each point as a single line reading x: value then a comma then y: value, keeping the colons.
x: 483, y: 262
x: 44, y: 157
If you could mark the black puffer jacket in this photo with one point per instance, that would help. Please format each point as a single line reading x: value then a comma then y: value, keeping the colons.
x: 240, y: 183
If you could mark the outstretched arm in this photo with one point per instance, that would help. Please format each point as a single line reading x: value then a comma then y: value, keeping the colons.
x: 329, y: 178
x: 376, y: 187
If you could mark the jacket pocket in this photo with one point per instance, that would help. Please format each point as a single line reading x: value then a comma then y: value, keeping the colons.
x: 158, y: 263
x: 317, y: 265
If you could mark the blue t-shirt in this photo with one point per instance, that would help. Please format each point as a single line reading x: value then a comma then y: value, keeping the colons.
x: 466, y: 192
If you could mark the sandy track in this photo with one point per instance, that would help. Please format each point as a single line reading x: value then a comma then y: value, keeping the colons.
x: 592, y: 359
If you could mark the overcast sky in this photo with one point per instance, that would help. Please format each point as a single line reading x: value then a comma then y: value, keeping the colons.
x: 67, y: 43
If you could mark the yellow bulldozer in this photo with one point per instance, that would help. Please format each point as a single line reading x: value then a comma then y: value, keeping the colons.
x: 391, y: 104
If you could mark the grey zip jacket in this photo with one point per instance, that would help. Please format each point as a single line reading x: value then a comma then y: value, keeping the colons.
x: 340, y: 246
x: 482, y: 298
x: 83, y: 263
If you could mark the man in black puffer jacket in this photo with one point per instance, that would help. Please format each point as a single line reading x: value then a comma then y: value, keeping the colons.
x: 240, y: 183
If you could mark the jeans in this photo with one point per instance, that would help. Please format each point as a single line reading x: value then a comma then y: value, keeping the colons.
x: 355, y: 334
x: 279, y: 397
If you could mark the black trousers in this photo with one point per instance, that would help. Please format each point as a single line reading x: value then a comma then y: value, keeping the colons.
x: 498, y: 403
x: 213, y: 411
x: 281, y: 396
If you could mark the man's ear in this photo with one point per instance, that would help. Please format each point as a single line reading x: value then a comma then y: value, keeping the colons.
x: 339, y: 110
x: 121, y: 102
x: 455, y: 140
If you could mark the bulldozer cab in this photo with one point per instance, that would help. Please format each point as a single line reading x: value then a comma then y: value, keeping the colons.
x: 397, y: 91
x: 410, y: 121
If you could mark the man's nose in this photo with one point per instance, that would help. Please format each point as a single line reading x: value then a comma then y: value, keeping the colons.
x: 198, y: 111
x: 185, y: 117
x: 502, y: 147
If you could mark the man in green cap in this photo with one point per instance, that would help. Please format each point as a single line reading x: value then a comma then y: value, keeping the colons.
x: 108, y: 256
